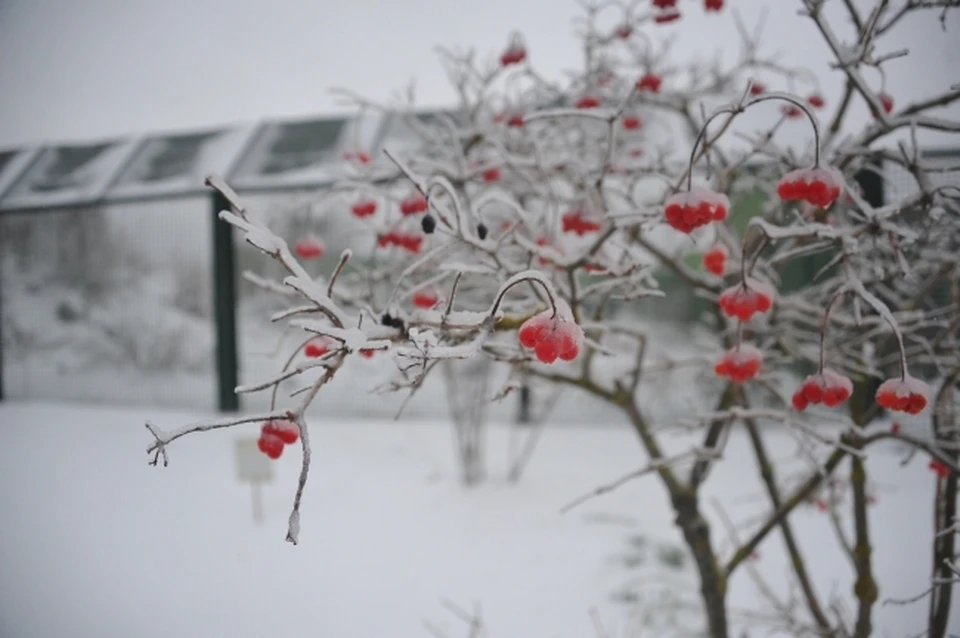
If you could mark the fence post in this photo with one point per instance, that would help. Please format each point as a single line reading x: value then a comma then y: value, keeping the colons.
x: 225, y: 307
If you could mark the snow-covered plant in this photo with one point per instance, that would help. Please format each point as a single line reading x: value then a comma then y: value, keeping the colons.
x: 521, y: 227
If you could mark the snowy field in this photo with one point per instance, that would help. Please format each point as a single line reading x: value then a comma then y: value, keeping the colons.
x: 96, y: 543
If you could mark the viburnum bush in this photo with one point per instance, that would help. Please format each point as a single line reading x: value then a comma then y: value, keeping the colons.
x: 522, y: 225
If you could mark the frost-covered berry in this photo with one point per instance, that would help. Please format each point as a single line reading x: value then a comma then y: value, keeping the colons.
x: 829, y: 388
x: 686, y: 211
x: 908, y: 395
x: 309, y: 248
x: 743, y: 300
x: 552, y: 337
x: 740, y: 364
x: 818, y: 186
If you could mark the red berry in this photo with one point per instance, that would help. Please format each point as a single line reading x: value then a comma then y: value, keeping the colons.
x: 515, y: 120
x: 575, y: 222
x: 791, y: 111
x: 828, y: 387
x: 491, y: 175
x: 367, y: 354
x: 287, y: 431
x: 364, y: 208
x: 715, y: 260
x: 664, y: 4
x: 588, y: 102
x: 886, y: 101
x: 624, y: 31
x: 816, y: 101
x: 632, y: 122
x: 895, y: 427
x: 908, y: 395
x: 316, y: 348
x: 271, y: 445
x: 649, y: 82
x: 799, y: 401
x: 687, y: 211
x: 821, y: 505
x: 425, y: 299
x: 818, y: 186
x: 515, y: 53
x: 740, y: 364
x: 413, y: 204
x: 746, y: 299
x: 939, y: 468
x: 309, y: 248
x: 666, y: 16
x: 411, y: 243
x: 713, y: 5
x: 756, y: 88
x: 550, y: 336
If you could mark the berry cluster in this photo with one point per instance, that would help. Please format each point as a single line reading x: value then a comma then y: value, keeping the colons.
x: 938, y: 467
x: 358, y: 156
x: 649, y: 82
x: 715, y: 260
x: 817, y: 186
x: 316, y: 348
x: 713, y: 5
x: 687, y: 211
x: 791, y: 111
x: 413, y: 205
x: 491, y: 175
x: 908, y: 395
x: 425, y: 299
x: 816, y: 101
x: 886, y: 101
x: 587, y: 102
x: 411, y: 243
x: 309, y: 248
x: 666, y: 16
x: 575, y: 222
x: 740, y: 364
x: 515, y: 53
x: 552, y: 336
x: 632, y: 122
x: 274, y: 435
x: 364, y: 208
x: 828, y: 387
x: 746, y: 299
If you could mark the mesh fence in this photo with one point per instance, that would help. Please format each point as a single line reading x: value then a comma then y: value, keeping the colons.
x: 109, y: 304
x: 114, y: 304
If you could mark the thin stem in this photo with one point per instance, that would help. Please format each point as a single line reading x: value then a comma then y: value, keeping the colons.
x: 823, y: 324
x: 746, y: 265
x: 732, y: 111
x: 344, y: 257
x: 803, y: 107
x: 519, y: 278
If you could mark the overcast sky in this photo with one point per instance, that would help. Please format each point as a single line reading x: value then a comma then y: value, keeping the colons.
x: 87, y: 69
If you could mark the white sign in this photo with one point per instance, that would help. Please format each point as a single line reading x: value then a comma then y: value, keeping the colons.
x: 253, y: 466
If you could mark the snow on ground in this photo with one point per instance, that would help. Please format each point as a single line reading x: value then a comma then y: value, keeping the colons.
x: 94, y: 542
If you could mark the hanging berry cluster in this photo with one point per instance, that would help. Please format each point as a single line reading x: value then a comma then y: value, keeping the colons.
x: 274, y: 435
x: 552, y: 334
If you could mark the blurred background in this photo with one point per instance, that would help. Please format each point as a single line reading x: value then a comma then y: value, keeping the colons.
x: 112, y: 113
x: 122, y: 298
